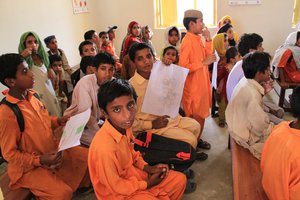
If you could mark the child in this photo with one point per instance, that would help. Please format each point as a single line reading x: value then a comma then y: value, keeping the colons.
x: 232, y: 36
x: 85, y: 94
x: 196, y: 56
x: 112, y: 36
x: 232, y: 56
x: 248, y: 123
x: 31, y: 48
x: 116, y: 170
x: 220, y: 44
x: 33, y: 160
x: 280, y: 157
x: 170, y: 55
x: 133, y: 35
x: 86, y: 65
x: 172, y: 37
x: 147, y: 35
x: 92, y: 36
x: 57, y: 81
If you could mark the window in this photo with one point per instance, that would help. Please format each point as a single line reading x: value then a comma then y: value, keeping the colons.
x: 296, y: 13
x: 170, y: 12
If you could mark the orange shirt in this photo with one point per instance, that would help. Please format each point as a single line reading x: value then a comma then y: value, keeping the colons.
x: 197, y: 91
x: 280, y: 163
x: 291, y: 74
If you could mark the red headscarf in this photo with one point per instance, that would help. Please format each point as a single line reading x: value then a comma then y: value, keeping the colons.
x: 130, y: 38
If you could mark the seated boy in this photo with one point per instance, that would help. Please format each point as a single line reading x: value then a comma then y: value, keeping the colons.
x: 179, y: 128
x: 116, y: 170
x: 247, y: 122
x: 280, y: 161
x: 86, y: 65
x: 33, y: 160
x: 92, y: 36
x: 85, y: 94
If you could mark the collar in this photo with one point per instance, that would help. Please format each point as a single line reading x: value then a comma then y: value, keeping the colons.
x: 189, y: 34
x: 139, y: 79
x: 116, y: 135
x: 14, y: 100
x: 257, y: 86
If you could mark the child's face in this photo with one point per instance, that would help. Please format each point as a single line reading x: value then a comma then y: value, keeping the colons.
x: 24, y: 77
x: 89, y: 50
x: 112, y: 34
x: 104, y: 39
x: 95, y: 38
x: 57, y: 66
x: 53, y: 45
x: 198, y: 26
x: 143, y: 61
x: 147, y: 34
x: 171, y: 55
x: 121, y: 112
x: 173, y: 37
x: 136, y: 30
x: 264, y: 76
x: 238, y: 57
x: 229, y: 33
x: 32, y: 43
x: 104, y: 72
x: 90, y: 70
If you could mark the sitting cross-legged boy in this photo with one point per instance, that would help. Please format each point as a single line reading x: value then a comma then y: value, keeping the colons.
x: 117, y: 171
x: 85, y: 94
x: 33, y: 160
x: 280, y: 161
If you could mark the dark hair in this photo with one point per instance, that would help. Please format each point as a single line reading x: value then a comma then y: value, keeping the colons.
x: 113, y: 89
x: 53, y: 58
x: 89, y: 34
x: 298, y: 36
x: 173, y: 48
x: 85, y: 62
x: 231, y: 53
x: 137, y: 47
x: 103, y: 58
x: 255, y: 62
x: 82, y: 44
x: 224, y: 28
x: 187, y: 20
x: 102, y: 33
x: 249, y: 41
x: 9, y: 65
x: 173, y: 29
x: 295, y: 105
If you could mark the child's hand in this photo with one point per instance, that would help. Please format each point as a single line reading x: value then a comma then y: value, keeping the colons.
x: 155, y: 179
x: 206, y: 34
x: 26, y: 52
x: 51, y: 74
x: 160, y: 122
x: 159, y: 168
x: 52, y: 159
x: 209, y: 59
x: 63, y: 120
x: 166, y: 61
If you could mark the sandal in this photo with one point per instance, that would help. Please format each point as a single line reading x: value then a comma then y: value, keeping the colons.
x: 190, y: 186
x: 189, y: 173
x: 201, y: 156
x: 203, y: 144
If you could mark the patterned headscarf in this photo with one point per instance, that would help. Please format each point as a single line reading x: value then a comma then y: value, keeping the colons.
x: 223, y: 19
x: 41, y: 51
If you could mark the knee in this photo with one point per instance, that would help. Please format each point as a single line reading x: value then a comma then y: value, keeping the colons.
x: 180, y: 179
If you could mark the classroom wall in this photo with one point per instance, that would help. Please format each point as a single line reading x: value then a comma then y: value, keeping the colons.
x: 271, y: 19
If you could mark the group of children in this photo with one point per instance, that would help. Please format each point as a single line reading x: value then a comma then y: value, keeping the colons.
x: 106, y: 159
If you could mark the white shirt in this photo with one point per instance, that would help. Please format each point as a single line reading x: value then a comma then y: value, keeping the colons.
x: 235, y: 75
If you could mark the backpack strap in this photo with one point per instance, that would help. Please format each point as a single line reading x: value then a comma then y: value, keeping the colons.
x: 15, y: 108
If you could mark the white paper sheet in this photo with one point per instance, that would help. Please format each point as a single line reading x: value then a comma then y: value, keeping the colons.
x: 73, y: 130
x: 164, y: 90
x: 215, y: 71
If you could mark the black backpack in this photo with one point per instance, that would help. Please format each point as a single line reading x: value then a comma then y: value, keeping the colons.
x: 158, y: 149
x: 20, y: 119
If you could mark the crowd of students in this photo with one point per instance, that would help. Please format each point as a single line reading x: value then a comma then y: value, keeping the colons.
x: 106, y: 159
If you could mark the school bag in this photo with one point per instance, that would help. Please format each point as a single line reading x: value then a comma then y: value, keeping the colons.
x: 158, y: 149
x: 20, y: 119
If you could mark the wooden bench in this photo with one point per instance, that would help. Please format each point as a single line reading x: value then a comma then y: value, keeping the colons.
x: 246, y: 174
x: 18, y: 194
x: 283, y: 87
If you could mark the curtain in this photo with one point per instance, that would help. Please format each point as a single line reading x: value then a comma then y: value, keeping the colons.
x: 296, y: 15
x: 168, y: 9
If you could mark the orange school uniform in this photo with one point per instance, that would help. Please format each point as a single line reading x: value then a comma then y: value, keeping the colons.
x: 280, y: 163
x: 23, y: 151
x: 116, y: 170
x: 197, y: 97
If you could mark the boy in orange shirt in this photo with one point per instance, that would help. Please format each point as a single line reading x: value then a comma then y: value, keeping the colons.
x: 280, y: 161
x: 116, y: 170
x: 33, y: 160
x: 196, y: 56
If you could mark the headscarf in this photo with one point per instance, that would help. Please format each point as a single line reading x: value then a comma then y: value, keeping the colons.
x: 218, y: 44
x: 143, y: 32
x: 224, y: 29
x: 288, y: 44
x: 130, y: 38
x: 167, y: 37
x: 41, y: 51
x: 223, y: 19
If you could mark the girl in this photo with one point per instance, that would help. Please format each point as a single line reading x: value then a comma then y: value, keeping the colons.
x: 30, y: 47
x: 173, y: 37
x: 220, y: 44
x: 170, y: 55
x: 134, y: 32
x: 147, y: 35
x: 232, y: 36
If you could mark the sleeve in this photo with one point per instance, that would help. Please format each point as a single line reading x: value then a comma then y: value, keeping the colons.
x: 284, y: 58
x: 107, y: 169
x: 66, y: 65
x: 294, y: 180
x: 141, y: 125
x: 54, y: 122
x: 185, y: 58
x: 10, y: 137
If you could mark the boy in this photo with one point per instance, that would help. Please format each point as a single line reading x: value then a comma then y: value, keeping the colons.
x: 178, y: 128
x: 247, y: 122
x: 57, y: 81
x: 117, y: 171
x: 111, y: 30
x: 86, y: 65
x: 196, y: 56
x: 85, y: 94
x: 92, y: 36
x: 280, y: 157
x: 33, y: 160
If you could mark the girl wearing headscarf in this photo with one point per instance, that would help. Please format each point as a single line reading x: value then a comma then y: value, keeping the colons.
x: 133, y: 35
x: 172, y: 37
x: 232, y: 36
x: 31, y: 48
x: 220, y: 44
x: 225, y: 20
x: 147, y: 35
x: 286, y: 60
